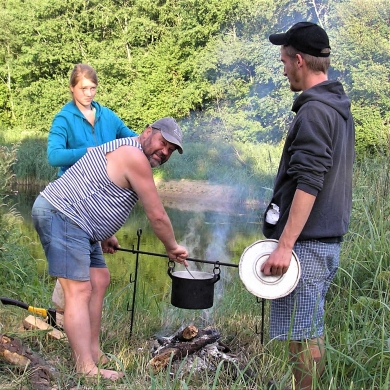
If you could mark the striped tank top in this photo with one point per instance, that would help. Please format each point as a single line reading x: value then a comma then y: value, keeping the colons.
x: 86, y: 195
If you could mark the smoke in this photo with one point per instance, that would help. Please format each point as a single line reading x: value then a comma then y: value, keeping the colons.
x: 218, y: 229
x: 192, y: 239
x: 217, y: 251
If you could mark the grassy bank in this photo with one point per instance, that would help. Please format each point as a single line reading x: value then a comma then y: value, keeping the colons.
x: 242, y: 164
x: 357, y: 323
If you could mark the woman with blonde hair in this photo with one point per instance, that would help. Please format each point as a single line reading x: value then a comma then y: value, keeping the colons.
x: 82, y: 123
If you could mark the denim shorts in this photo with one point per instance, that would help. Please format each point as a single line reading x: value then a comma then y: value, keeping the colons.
x: 300, y: 315
x: 69, y: 250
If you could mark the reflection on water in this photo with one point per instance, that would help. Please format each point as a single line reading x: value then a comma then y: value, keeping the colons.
x: 207, y: 235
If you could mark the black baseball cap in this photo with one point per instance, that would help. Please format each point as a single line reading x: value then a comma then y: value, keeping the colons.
x: 306, y: 37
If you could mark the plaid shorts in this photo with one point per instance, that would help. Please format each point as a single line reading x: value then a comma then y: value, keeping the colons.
x: 300, y: 315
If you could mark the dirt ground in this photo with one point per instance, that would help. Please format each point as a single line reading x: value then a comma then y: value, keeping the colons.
x: 199, y: 195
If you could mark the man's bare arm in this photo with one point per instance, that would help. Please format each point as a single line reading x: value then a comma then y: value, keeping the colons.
x: 130, y: 168
x: 279, y: 260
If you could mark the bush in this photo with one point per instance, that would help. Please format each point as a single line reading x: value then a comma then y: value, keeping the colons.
x: 371, y: 132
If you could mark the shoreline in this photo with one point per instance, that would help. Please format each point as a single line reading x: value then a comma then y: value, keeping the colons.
x: 201, y: 195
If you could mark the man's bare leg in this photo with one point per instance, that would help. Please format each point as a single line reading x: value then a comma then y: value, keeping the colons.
x: 77, y: 326
x: 308, y: 361
x: 100, y: 279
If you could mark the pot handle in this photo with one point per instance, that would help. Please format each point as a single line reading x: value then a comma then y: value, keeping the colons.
x: 217, y: 273
x: 215, y: 278
x: 171, y: 266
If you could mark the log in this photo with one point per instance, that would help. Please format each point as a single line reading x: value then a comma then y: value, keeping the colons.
x: 14, y: 352
x: 177, y: 349
x: 188, y: 333
x: 32, y: 322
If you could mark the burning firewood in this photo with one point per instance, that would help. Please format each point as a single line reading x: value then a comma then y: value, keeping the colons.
x: 14, y: 352
x: 184, y: 343
x: 188, y: 333
x: 201, y: 349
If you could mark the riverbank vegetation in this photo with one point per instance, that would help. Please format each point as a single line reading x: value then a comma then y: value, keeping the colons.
x: 208, y: 64
x: 357, y: 332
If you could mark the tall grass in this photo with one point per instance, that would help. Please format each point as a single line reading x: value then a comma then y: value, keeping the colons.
x: 359, y: 300
x: 358, y: 309
x: 30, y: 166
x: 19, y: 276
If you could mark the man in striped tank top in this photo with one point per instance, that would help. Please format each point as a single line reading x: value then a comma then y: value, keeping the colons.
x: 89, y: 203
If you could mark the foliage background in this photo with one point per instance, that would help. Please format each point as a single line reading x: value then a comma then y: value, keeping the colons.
x: 210, y: 65
x: 207, y: 63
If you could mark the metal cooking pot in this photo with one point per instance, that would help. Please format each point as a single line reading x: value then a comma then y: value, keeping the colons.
x: 195, y: 292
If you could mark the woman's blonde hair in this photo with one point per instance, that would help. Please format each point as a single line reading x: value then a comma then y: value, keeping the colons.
x: 81, y: 70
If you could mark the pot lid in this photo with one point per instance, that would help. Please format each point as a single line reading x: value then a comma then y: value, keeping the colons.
x: 268, y: 287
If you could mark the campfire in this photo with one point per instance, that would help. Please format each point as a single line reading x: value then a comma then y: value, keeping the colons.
x: 201, y: 349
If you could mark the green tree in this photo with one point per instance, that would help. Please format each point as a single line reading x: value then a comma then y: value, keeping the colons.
x: 209, y: 62
x: 362, y: 56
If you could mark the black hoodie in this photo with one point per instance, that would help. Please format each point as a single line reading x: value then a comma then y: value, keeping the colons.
x: 318, y: 158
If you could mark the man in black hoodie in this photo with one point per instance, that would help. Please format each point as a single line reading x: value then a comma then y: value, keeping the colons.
x: 311, y: 203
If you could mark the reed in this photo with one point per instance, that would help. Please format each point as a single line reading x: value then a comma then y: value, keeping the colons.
x: 30, y: 167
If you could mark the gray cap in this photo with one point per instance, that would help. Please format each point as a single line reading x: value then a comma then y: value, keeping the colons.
x: 171, y: 131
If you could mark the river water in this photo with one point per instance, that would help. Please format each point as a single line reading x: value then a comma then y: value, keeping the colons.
x: 208, y: 235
